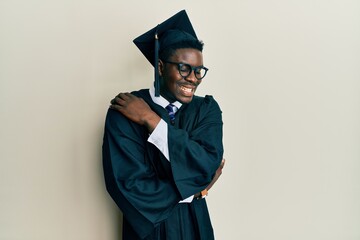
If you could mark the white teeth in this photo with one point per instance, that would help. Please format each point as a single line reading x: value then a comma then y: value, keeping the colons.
x: 189, y: 90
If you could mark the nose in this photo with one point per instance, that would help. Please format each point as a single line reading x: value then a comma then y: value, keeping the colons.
x: 191, y: 78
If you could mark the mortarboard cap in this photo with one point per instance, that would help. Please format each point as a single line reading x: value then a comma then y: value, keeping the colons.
x: 176, y: 29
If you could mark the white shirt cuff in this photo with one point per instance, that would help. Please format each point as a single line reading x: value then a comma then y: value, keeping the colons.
x: 187, y: 200
x: 159, y: 138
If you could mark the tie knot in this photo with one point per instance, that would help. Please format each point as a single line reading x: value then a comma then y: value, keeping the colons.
x: 171, y: 108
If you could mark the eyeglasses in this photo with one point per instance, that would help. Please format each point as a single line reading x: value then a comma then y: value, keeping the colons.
x: 186, y: 69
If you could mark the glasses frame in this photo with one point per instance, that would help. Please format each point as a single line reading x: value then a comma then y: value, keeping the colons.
x: 193, y: 69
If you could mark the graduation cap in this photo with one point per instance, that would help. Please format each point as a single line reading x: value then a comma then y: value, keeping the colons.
x: 176, y: 29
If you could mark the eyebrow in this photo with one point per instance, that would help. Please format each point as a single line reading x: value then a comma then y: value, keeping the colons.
x: 191, y: 65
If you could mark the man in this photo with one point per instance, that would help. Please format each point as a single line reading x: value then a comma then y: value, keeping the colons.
x: 162, y: 147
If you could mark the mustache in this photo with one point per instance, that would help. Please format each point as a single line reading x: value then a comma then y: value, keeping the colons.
x: 191, y: 84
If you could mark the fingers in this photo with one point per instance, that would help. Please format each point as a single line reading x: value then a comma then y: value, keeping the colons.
x: 222, y: 164
x: 117, y: 101
x: 125, y: 96
x: 219, y: 170
x: 120, y: 100
x: 115, y: 107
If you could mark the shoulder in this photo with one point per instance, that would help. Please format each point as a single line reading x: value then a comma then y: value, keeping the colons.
x: 202, y: 109
x: 118, y: 125
x: 143, y: 93
x: 114, y: 118
x: 117, y: 122
x: 205, y: 103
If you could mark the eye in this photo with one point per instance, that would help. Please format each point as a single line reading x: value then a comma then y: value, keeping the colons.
x: 199, y: 71
x: 184, y: 68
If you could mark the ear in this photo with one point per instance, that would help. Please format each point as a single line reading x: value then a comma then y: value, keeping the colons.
x: 161, y: 67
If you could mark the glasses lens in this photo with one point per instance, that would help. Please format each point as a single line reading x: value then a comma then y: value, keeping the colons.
x: 184, y: 69
x: 200, y: 72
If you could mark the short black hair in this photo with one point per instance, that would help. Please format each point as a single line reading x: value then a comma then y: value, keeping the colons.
x: 166, y: 53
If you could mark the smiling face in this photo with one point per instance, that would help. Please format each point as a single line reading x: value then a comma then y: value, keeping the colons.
x: 173, y: 86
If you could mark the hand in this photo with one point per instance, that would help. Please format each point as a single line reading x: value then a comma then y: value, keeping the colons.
x: 136, y: 110
x: 217, y: 174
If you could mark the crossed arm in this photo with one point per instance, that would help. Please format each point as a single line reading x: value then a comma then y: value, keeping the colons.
x: 138, y: 111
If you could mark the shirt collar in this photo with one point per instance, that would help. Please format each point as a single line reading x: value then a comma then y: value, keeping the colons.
x: 161, y: 100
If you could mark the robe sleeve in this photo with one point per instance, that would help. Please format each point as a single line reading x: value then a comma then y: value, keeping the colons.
x: 195, y: 155
x: 143, y: 197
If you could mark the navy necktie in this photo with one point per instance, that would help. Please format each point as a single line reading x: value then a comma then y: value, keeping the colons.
x: 171, y: 110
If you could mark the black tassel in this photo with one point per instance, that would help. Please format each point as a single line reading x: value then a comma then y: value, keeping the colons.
x: 156, y: 66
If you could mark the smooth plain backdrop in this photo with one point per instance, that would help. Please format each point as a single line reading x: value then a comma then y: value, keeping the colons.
x: 286, y: 74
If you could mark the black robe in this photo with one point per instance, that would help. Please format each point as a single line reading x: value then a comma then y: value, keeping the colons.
x: 147, y: 187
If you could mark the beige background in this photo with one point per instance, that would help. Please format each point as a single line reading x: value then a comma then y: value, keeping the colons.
x: 286, y: 73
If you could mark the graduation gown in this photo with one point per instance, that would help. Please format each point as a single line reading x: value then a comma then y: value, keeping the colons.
x: 147, y: 187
